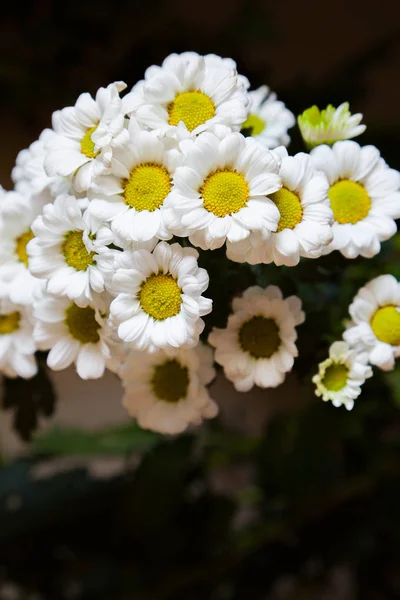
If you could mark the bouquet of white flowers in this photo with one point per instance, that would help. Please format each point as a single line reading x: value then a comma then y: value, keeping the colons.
x: 104, y: 240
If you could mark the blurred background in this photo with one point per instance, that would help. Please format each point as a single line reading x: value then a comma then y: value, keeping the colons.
x: 282, y: 497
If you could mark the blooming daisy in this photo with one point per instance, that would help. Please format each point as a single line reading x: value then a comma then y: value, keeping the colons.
x: 132, y: 195
x: 86, y: 136
x: 167, y: 393
x: 375, y: 329
x: 17, y: 214
x: 340, y: 377
x: 29, y: 174
x: 221, y: 192
x: 364, y: 197
x: 189, y: 94
x: 257, y: 347
x: 329, y: 125
x: 17, y: 347
x: 73, y: 334
x: 304, y: 227
x: 67, y: 253
x: 159, y: 302
x: 268, y: 118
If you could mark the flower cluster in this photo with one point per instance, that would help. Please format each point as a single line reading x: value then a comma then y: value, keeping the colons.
x: 101, y: 237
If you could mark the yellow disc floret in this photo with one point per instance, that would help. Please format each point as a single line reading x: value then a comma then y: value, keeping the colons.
x: 385, y: 324
x: 290, y: 208
x: 335, y: 378
x: 193, y: 108
x: 170, y: 381
x: 254, y: 125
x: 147, y: 187
x: 20, y: 246
x: 224, y: 192
x: 75, y: 252
x: 160, y: 296
x: 9, y: 323
x: 260, y: 337
x: 82, y: 324
x: 350, y: 202
x: 87, y: 144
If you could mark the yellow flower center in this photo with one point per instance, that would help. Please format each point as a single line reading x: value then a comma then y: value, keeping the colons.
x: 147, y: 187
x: 385, y: 324
x: 9, y: 323
x: 160, y: 296
x: 193, y: 108
x: 224, y: 192
x: 20, y: 246
x: 87, y: 144
x: 260, y: 337
x: 254, y: 125
x: 170, y: 381
x: 75, y: 252
x: 82, y: 324
x: 290, y: 208
x: 335, y: 378
x: 350, y: 202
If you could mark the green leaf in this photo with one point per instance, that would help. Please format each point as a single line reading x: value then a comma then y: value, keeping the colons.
x: 75, y: 442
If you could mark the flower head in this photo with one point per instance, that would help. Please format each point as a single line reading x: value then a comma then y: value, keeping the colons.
x: 268, y: 119
x: 159, y: 301
x: 329, y: 125
x: 375, y: 326
x: 257, y: 347
x: 340, y: 377
x: 364, y: 195
x: 168, y: 393
x: 17, y: 346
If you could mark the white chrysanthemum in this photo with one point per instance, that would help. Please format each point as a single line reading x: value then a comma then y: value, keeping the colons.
x: 189, y: 94
x: 340, y: 377
x: 67, y: 253
x: 17, y: 214
x: 268, y: 118
x: 375, y: 329
x: 329, y: 125
x: 221, y: 192
x: 29, y: 174
x: 257, y: 347
x: 167, y: 393
x: 73, y: 334
x: 17, y: 347
x: 160, y: 302
x: 132, y: 196
x: 304, y: 227
x: 87, y: 133
x: 364, y: 197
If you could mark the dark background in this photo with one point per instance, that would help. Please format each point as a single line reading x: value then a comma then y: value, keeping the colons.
x: 310, y: 510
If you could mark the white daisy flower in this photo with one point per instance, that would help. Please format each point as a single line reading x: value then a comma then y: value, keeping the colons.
x: 17, y: 347
x: 268, y: 119
x: 168, y: 393
x: 221, y: 192
x: 132, y: 196
x: 304, y: 227
x: 73, y: 334
x: 160, y: 302
x: 67, y: 253
x: 257, y: 347
x: 17, y: 214
x: 340, y: 377
x: 329, y: 125
x: 375, y: 329
x: 29, y: 174
x: 86, y: 136
x: 364, y: 197
x: 189, y: 94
